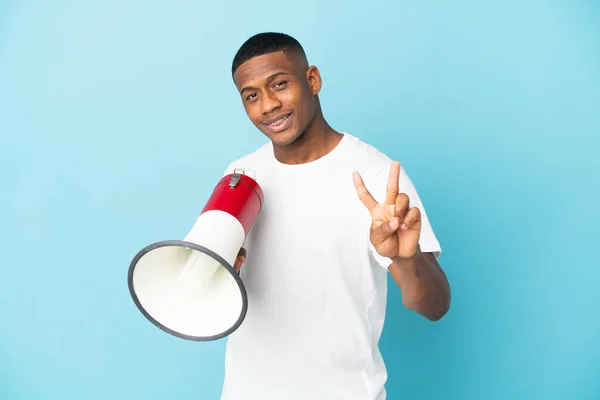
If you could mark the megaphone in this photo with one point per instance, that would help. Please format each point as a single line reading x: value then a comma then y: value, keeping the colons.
x: 189, y: 288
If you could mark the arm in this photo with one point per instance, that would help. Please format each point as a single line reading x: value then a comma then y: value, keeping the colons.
x: 397, y: 234
x: 423, y: 283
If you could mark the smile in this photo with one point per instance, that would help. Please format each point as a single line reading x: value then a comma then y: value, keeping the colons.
x: 279, y: 124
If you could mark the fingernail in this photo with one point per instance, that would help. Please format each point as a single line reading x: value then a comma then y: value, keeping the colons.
x: 403, y: 227
x: 393, y: 223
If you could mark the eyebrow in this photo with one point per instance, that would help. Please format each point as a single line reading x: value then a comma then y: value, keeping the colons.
x: 270, y: 77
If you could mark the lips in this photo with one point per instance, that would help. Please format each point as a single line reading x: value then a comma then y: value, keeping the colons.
x: 278, y: 123
x: 277, y: 120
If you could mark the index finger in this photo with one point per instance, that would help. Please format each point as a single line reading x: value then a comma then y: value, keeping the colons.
x: 391, y: 189
x: 363, y: 193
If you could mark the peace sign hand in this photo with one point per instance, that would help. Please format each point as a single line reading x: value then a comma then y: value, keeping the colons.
x: 395, y: 228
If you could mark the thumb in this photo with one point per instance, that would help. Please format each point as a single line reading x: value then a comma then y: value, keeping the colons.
x: 380, y: 233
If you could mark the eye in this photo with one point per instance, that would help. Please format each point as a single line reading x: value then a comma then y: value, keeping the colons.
x: 280, y: 84
x: 251, y: 96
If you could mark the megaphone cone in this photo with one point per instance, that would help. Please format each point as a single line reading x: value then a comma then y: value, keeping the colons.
x: 189, y: 288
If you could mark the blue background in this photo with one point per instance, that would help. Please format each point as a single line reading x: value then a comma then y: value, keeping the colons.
x: 117, y: 117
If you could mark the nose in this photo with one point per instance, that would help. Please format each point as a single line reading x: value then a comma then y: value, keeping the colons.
x: 269, y: 103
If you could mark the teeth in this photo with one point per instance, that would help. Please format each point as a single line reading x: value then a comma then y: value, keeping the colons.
x: 278, y: 121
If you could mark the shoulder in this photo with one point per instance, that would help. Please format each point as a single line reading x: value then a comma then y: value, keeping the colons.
x: 252, y: 160
x: 370, y: 160
x: 374, y: 166
x: 365, y: 150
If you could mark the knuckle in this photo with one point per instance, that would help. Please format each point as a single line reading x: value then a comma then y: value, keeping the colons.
x: 413, y: 214
x: 402, y: 199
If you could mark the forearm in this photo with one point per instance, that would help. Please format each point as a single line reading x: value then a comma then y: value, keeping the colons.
x: 423, y: 284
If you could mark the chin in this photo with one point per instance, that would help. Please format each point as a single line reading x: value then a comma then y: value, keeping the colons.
x: 284, y: 138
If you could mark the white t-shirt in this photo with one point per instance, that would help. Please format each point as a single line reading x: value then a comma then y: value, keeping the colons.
x: 316, y: 287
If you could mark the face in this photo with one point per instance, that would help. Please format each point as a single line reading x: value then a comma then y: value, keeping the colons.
x: 279, y: 95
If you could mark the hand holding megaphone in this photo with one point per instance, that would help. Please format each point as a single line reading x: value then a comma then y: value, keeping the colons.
x: 240, y: 260
x: 191, y: 288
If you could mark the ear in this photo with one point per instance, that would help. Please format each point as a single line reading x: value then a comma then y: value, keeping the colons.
x: 313, y: 77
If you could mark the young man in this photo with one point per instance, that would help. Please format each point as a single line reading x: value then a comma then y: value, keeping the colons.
x: 338, y: 216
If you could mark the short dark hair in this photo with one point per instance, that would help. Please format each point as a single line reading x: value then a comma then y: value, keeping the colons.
x: 265, y: 43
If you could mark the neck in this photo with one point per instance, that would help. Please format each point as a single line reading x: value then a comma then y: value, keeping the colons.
x: 317, y: 140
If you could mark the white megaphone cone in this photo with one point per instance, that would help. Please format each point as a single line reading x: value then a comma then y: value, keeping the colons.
x: 188, y: 287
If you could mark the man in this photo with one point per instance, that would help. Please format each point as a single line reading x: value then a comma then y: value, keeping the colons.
x: 338, y: 216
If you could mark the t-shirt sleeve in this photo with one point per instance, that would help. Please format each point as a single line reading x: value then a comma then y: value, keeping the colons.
x: 427, y: 240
